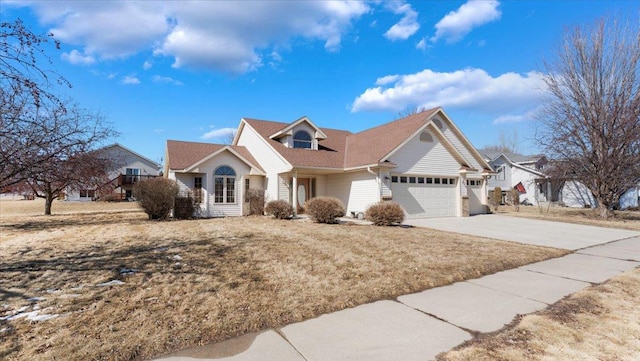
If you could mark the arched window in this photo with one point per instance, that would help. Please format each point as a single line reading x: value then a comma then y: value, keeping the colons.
x: 302, y: 139
x: 224, y: 178
x: 426, y: 137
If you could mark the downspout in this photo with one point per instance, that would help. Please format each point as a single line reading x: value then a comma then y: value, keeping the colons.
x: 378, y: 181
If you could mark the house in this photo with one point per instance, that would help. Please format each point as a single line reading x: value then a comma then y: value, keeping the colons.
x: 631, y: 198
x: 524, y: 173
x: 131, y: 168
x: 423, y: 162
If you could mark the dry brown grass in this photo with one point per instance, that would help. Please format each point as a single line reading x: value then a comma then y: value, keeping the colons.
x: 598, y: 323
x: 208, y: 280
x: 623, y: 219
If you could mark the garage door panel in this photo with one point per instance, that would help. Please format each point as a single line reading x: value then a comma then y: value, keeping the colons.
x: 475, y: 200
x: 426, y: 200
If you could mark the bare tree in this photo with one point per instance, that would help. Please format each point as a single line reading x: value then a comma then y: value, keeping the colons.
x: 72, y: 136
x: 26, y: 91
x: 590, y: 122
x: 506, y: 142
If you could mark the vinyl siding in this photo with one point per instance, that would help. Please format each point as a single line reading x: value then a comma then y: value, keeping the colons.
x: 267, y: 157
x: 528, y: 180
x: 418, y: 157
x: 208, y: 168
x: 576, y: 194
x: 466, y: 154
x: 356, y: 190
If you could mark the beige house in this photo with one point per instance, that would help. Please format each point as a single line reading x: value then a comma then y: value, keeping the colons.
x: 423, y: 162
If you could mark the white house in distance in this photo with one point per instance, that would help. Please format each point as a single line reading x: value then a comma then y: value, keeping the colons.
x: 525, y: 173
x: 132, y: 167
x: 423, y: 162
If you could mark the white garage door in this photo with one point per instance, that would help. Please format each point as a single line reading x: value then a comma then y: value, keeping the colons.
x: 425, y: 196
x: 474, y: 191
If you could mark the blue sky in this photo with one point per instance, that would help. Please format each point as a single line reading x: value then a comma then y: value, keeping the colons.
x: 191, y: 70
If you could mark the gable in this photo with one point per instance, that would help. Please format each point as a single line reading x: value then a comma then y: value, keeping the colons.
x: 187, y: 156
x: 424, y: 157
x: 223, y: 158
x: 302, y: 122
x: 125, y: 158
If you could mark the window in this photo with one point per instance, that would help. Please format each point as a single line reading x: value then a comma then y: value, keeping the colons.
x: 394, y: 179
x: 500, y: 171
x: 426, y: 137
x: 87, y: 193
x: 445, y: 181
x: 436, y: 180
x: 302, y: 139
x: 224, y: 182
x: 132, y: 175
x: 403, y: 179
x: 420, y: 180
x: 412, y: 179
x: 429, y: 180
x: 452, y: 181
x: 247, y: 184
x: 197, y: 190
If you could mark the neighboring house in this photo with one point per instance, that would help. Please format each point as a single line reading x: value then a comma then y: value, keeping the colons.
x: 423, y: 162
x: 131, y: 168
x: 524, y: 173
x: 631, y: 198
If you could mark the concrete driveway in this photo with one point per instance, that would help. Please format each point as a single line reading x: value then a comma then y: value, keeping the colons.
x: 529, y: 231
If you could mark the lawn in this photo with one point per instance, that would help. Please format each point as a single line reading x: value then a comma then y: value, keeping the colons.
x: 114, y: 285
x: 598, y: 323
x: 623, y: 219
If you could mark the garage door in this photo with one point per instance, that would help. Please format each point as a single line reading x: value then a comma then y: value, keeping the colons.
x: 474, y: 191
x: 425, y: 196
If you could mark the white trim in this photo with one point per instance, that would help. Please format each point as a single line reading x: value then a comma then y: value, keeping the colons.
x: 227, y: 148
x: 319, y: 134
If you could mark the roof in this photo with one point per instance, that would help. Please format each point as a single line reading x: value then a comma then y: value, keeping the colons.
x: 387, y: 137
x: 181, y: 155
x: 118, y: 145
x: 330, y: 153
x: 343, y: 149
x: 492, y: 154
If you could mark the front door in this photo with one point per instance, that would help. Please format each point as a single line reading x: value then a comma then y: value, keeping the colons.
x: 302, y: 193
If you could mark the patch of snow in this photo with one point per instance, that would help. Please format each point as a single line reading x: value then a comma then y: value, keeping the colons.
x: 77, y: 288
x: 177, y: 257
x: 111, y: 283
x: 36, y: 299
x: 128, y: 271
x: 6, y: 329
x: 38, y: 318
x: 53, y: 290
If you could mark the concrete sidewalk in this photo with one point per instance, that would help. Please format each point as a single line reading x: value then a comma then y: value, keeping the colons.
x: 419, y: 326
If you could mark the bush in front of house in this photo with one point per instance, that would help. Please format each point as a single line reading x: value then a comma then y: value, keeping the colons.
x: 496, y: 198
x: 156, y: 196
x: 384, y: 214
x: 255, y: 197
x: 324, y: 209
x: 183, y: 207
x: 280, y: 209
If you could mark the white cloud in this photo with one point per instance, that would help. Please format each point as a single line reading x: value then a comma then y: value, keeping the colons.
x: 219, y: 133
x: 130, y: 80
x: 472, y: 89
x: 221, y: 35
x: 166, y: 80
x: 407, y: 26
x: 517, y: 118
x: 456, y: 24
x: 77, y: 58
x: 147, y: 65
x: 422, y: 44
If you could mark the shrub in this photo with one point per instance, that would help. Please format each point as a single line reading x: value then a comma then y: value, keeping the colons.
x: 514, y: 198
x: 324, y: 209
x: 183, y: 207
x: 156, y: 196
x: 255, y: 197
x: 280, y: 209
x: 384, y: 214
x: 496, y: 198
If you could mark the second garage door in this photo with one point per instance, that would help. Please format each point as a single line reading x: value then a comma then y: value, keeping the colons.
x: 425, y: 196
